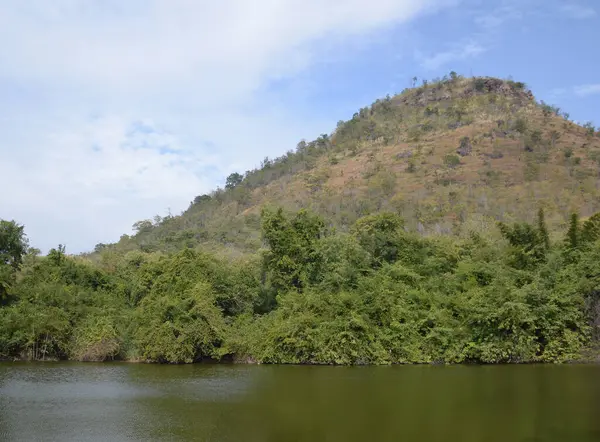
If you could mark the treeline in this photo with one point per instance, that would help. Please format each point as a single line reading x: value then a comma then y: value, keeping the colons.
x: 378, y: 294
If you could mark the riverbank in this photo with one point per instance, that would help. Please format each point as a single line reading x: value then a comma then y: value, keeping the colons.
x: 588, y: 356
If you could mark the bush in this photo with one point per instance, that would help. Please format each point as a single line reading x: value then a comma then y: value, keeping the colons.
x: 479, y: 84
x: 179, y: 327
x: 520, y: 125
x: 451, y: 160
x: 96, y: 339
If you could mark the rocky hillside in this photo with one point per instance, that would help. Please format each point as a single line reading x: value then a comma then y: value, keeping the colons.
x: 452, y: 156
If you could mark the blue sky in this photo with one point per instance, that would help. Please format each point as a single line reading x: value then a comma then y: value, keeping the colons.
x: 112, y: 112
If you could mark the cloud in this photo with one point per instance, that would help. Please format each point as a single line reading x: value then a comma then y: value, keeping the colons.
x: 490, y: 21
x: 136, y: 44
x: 89, y: 182
x: 587, y: 89
x: 467, y: 50
x: 113, y: 111
x: 557, y: 93
x: 577, y: 11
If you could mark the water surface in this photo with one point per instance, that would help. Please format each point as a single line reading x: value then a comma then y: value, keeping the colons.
x: 134, y: 402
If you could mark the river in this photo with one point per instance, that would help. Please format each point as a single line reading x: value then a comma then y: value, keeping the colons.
x: 137, y: 402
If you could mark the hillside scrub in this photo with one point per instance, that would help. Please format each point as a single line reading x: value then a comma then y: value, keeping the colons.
x: 439, y: 154
x: 377, y: 294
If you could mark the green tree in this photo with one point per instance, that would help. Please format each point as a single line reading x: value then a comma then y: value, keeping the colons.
x: 573, y: 233
x: 13, y: 245
x: 57, y: 256
x: 529, y: 243
x: 233, y: 180
x: 179, y: 327
x: 202, y: 199
x: 380, y: 235
x: 591, y: 228
x: 590, y: 129
x: 291, y: 243
x: 543, y: 229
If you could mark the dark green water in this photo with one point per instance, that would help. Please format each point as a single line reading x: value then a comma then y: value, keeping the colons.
x: 128, y: 402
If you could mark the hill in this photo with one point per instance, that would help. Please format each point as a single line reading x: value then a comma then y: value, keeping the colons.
x: 451, y: 156
x: 444, y: 228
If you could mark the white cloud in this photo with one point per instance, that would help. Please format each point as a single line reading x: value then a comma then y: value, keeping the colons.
x: 587, y: 89
x: 88, y: 183
x: 77, y: 75
x: 577, y: 11
x: 463, y: 52
x: 556, y: 93
x: 507, y: 12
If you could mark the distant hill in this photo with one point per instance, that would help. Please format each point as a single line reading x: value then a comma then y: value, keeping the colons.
x: 452, y: 156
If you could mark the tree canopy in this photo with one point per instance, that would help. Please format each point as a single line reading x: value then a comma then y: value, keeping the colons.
x: 13, y: 245
x: 377, y: 294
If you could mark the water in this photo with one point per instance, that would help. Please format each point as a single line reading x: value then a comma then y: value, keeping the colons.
x: 128, y: 402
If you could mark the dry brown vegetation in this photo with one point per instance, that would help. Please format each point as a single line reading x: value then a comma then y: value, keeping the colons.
x: 452, y: 157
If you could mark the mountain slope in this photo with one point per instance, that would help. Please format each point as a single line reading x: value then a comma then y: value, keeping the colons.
x: 452, y: 156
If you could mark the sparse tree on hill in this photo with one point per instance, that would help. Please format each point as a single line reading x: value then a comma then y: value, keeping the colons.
x: 233, y: 180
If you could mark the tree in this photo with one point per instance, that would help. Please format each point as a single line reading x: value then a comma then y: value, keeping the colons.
x: 543, y: 229
x: 573, y: 233
x: 380, y: 235
x: 529, y: 243
x: 590, y: 129
x: 57, y: 256
x: 202, y: 199
x: 291, y: 243
x: 591, y: 228
x: 301, y: 146
x: 142, y: 226
x: 13, y: 245
x: 99, y: 247
x: 554, y: 137
x: 233, y: 180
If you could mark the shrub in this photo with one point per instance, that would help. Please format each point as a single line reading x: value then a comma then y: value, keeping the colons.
x: 520, y: 125
x: 465, y: 147
x: 568, y: 152
x: 479, y: 84
x: 590, y: 129
x: 96, y: 339
x: 451, y: 160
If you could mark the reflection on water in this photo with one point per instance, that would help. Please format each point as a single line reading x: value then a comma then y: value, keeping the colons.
x: 128, y: 402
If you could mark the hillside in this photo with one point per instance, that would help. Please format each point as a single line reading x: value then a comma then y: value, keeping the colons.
x: 452, y: 156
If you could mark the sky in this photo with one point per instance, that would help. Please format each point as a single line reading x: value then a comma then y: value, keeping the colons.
x: 112, y: 112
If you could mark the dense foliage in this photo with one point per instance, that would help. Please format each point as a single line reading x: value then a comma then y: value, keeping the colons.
x: 377, y: 294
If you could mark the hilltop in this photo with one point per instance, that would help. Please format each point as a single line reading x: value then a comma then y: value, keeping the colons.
x: 451, y: 156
